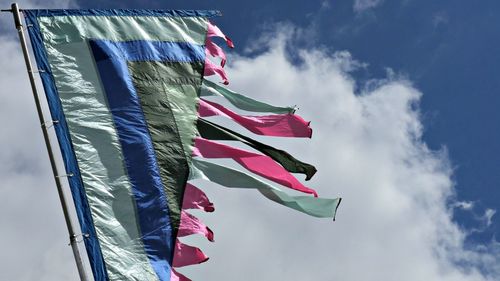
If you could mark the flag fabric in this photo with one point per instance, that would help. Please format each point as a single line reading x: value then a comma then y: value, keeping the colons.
x: 128, y: 94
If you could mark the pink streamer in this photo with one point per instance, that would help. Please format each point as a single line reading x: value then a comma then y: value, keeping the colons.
x: 215, y: 51
x: 259, y: 164
x: 185, y: 255
x: 192, y: 225
x: 214, y: 31
x: 212, y: 69
x: 176, y: 276
x: 280, y: 125
x: 194, y: 198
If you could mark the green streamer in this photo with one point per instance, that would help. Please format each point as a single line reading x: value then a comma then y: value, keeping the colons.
x: 210, y: 88
x: 231, y: 178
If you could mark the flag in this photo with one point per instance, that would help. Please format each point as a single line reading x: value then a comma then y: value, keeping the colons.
x: 131, y: 106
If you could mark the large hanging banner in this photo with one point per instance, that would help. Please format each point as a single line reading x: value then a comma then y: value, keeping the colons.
x: 128, y: 91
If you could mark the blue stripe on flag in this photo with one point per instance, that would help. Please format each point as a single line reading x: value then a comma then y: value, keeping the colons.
x: 141, y: 50
x: 67, y: 151
x: 124, y: 12
x: 138, y: 151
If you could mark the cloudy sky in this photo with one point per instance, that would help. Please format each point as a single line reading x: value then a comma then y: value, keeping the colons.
x: 403, y: 99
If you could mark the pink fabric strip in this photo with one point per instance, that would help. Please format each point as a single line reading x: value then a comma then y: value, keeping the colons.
x: 194, y: 198
x: 176, y: 276
x: 214, y: 31
x: 280, y: 125
x: 259, y: 164
x: 185, y: 255
x: 215, y: 51
x: 192, y: 225
x: 211, y: 69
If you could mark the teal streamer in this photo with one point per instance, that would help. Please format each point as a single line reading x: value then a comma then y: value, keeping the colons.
x: 210, y: 88
x: 231, y: 178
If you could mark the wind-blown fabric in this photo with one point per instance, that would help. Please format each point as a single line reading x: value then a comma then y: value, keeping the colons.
x: 125, y: 88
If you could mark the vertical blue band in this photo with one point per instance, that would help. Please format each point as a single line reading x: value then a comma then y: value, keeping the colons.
x: 67, y: 151
x: 139, y: 155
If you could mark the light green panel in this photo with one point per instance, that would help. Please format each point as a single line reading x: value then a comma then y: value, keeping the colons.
x: 123, y: 28
x: 92, y: 130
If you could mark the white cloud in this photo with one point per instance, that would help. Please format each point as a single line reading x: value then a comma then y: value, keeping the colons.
x: 394, y: 222
x: 464, y: 205
x: 364, y: 5
x: 325, y: 5
x: 488, y: 215
x: 440, y: 18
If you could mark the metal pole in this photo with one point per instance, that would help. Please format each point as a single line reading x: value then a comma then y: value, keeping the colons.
x: 69, y: 223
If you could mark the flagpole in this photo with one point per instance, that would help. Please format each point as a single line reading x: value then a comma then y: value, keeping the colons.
x: 69, y: 223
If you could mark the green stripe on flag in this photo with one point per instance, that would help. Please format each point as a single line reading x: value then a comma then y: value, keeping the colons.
x: 168, y: 93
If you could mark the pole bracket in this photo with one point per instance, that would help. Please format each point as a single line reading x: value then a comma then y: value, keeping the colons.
x: 37, y: 71
x: 50, y: 124
x: 65, y: 176
x: 74, y: 238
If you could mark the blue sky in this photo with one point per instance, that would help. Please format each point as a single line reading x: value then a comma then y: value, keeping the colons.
x: 408, y: 84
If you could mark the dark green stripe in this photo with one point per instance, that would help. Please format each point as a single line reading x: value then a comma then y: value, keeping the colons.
x: 213, y: 131
x: 168, y: 95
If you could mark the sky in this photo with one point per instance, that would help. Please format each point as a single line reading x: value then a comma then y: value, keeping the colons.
x: 402, y: 96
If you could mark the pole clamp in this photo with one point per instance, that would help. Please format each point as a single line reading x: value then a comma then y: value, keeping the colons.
x: 65, y: 176
x: 49, y: 124
x: 26, y: 26
x: 37, y: 71
x: 74, y: 238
